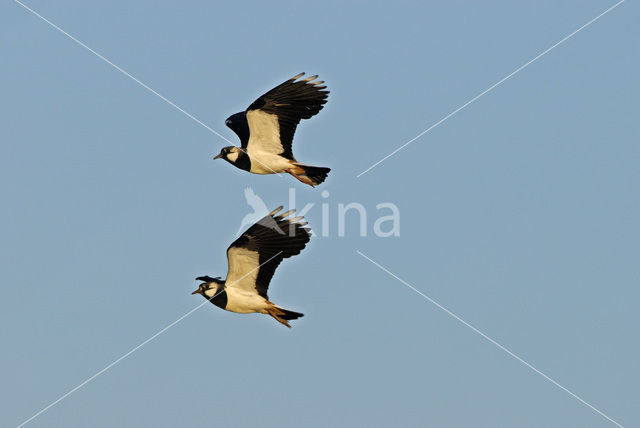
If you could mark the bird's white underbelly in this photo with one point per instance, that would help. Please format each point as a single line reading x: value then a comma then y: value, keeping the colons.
x: 244, y: 302
x: 268, y: 163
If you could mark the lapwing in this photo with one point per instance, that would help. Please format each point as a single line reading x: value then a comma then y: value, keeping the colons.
x: 253, y: 259
x: 266, y: 130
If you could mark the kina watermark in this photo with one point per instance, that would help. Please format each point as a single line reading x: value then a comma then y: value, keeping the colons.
x: 336, y: 219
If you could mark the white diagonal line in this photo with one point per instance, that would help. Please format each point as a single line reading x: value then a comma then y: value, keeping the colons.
x: 171, y: 103
x: 120, y: 69
x: 466, y: 324
x: 112, y: 364
x: 62, y: 397
x: 517, y: 70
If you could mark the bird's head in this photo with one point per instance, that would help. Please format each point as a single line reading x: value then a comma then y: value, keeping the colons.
x: 209, y: 286
x: 229, y: 153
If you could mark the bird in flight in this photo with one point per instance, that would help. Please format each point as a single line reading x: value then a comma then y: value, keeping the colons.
x: 253, y: 259
x: 266, y: 130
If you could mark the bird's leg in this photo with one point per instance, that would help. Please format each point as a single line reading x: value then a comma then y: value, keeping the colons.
x: 274, y: 312
x: 305, y: 180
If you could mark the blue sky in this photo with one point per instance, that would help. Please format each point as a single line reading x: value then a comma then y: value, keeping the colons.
x: 518, y: 214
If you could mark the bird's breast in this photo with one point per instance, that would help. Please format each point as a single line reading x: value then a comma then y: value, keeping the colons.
x: 245, y: 302
x: 268, y: 163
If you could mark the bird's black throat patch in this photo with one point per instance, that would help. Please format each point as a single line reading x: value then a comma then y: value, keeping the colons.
x: 243, y: 161
x: 220, y: 299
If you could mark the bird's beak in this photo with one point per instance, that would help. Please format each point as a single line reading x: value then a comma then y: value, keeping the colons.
x: 218, y: 156
x: 196, y: 292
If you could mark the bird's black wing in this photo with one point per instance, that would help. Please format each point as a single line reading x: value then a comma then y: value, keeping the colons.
x: 238, y: 124
x: 254, y: 256
x: 273, y: 117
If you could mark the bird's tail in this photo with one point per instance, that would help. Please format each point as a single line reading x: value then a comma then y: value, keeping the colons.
x: 282, y: 315
x: 312, y: 175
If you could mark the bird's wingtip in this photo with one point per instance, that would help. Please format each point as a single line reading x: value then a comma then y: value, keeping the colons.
x: 277, y: 210
x: 286, y: 214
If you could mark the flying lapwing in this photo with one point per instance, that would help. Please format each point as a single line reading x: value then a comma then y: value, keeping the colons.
x: 266, y: 130
x: 253, y: 259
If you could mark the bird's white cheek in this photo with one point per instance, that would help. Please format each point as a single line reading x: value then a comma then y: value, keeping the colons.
x: 233, y: 156
x: 210, y: 292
